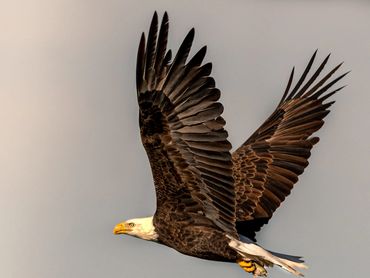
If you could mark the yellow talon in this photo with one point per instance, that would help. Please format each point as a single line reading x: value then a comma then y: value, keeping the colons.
x: 252, y: 267
x: 245, y: 264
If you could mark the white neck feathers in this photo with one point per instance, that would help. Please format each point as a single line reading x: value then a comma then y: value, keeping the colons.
x: 143, y: 228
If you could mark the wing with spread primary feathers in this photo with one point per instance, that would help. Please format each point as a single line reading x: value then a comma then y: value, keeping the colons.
x: 268, y: 164
x: 182, y: 129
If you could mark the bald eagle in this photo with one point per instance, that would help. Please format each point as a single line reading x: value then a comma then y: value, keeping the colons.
x: 211, y: 203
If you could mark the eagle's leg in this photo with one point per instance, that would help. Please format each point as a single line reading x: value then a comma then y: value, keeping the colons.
x: 252, y: 267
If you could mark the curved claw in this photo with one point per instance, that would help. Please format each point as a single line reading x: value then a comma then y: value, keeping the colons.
x: 252, y: 267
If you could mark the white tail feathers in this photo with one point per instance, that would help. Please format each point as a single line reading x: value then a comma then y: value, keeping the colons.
x: 250, y: 250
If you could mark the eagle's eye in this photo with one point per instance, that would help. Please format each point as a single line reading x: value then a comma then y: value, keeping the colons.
x: 131, y: 225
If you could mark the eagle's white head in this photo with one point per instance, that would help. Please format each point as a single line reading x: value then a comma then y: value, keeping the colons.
x: 139, y: 227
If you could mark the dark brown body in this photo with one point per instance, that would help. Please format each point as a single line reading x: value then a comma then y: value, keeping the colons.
x: 203, y: 193
x: 191, y: 233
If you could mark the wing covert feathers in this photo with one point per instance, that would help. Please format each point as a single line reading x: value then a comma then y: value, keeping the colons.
x: 268, y: 164
x: 183, y: 133
x: 182, y: 129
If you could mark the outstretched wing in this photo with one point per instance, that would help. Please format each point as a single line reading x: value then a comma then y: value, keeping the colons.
x: 182, y: 130
x: 268, y: 164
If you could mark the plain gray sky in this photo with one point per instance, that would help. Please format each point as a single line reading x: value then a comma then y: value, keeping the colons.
x: 72, y: 164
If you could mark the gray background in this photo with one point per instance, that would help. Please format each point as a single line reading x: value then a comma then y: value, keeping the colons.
x: 71, y: 162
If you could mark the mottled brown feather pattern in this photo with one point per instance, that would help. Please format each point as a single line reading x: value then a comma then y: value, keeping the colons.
x: 268, y: 164
x: 183, y: 132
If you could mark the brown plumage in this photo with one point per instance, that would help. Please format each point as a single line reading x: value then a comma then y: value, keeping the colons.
x: 267, y: 165
x: 182, y: 130
x: 206, y: 197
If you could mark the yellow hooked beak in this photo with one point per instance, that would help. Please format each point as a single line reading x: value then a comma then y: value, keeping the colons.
x: 121, y: 228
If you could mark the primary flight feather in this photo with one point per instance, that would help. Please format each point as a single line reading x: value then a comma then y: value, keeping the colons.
x: 210, y: 203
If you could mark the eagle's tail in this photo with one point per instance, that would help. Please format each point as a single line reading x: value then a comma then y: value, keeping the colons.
x: 252, y: 251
